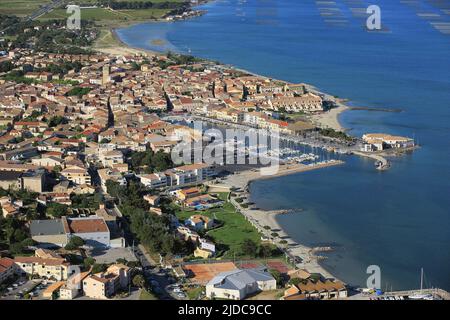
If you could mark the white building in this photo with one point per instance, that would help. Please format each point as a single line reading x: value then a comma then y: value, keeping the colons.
x: 238, y: 284
x: 93, y: 230
x: 154, y: 180
x: 378, y: 141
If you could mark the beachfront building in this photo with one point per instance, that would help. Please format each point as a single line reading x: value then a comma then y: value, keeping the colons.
x: 308, y: 102
x: 321, y: 289
x: 239, y: 284
x: 381, y: 141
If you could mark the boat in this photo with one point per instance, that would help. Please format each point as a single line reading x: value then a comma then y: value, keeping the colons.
x: 421, y: 295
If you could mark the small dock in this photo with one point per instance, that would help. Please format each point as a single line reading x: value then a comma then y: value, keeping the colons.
x: 381, y: 163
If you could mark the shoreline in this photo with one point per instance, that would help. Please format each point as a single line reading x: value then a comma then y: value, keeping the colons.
x: 122, y: 48
x: 260, y: 218
x: 327, y: 119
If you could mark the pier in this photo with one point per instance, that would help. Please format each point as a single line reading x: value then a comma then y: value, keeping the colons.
x: 383, y: 163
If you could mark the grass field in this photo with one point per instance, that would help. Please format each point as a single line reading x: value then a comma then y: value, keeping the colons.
x: 193, y: 293
x: 106, y: 39
x: 26, y: 7
x: 145, y: 295
x: 20, y: 7
x: 102, y: 14
x: 231, y: 235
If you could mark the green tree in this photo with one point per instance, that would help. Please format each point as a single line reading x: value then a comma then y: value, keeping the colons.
x: 139, y: 281
x: 249, y: 247
x: 74, y: 243
x: 295, y: 281
x: 98, y: 267
x: 88, y: 262
x: 277, y: 275
x: 57, y: 210
x: 265, y: 250
x: 56, y: 120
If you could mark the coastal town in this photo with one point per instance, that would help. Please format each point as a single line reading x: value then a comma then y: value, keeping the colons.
x: 94, y: 207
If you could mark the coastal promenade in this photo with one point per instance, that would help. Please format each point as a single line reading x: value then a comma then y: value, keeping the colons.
x: 303, y: 256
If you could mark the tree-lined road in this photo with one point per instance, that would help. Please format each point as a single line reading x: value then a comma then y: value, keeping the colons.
x: 45, y: 9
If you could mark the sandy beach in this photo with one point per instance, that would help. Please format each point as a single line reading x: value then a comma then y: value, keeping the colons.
x: 119, y: 48
x: 329, y: 119
x: 261, y: 218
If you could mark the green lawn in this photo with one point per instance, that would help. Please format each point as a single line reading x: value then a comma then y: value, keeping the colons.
x: 229, y: 237
x: 193, y: 293
x: 26, y: 7
x: 101, y: 14
x: 20, y: 7
x: 145, y: 295
x: 106, y: 39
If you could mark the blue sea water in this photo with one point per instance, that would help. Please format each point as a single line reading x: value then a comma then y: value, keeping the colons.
x: 398, y: 219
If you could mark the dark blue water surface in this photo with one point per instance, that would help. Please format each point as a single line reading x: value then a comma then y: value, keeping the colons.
x: 398, y: 219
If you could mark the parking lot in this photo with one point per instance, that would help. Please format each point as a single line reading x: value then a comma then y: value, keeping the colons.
x: 21, y: 287
x: 111, y: 255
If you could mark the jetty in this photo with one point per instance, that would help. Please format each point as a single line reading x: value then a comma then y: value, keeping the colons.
x: 381, y: 163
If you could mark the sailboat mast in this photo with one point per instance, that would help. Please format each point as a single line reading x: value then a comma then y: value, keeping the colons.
x: 421, y: 279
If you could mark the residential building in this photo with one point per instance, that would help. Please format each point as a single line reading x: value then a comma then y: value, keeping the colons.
x: 7, y: 268
x: 111, y: 174
x: 30, y: 180
x: 185, y: 193
x: 110, y: 158
x: 154, y: 180
x: 10, y: 179
x: 34, y: 180
x: 199, y: 222
x: 321, y: 289
x: 106, y: 284
x: 77, y: 175
x: 73, y: 286
x: 54, y: 268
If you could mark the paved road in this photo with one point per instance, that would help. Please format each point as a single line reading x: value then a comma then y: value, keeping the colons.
x: 42, y: 11
x: 45, y: 9
x: 155, y: 276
